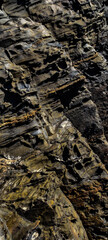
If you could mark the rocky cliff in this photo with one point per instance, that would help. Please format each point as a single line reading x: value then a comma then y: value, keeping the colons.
x: 53, y: 120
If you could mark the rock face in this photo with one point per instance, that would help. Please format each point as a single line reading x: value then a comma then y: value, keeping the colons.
x: 53, y: 120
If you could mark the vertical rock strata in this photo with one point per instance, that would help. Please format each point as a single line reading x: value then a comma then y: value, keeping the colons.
x: 53, y: 120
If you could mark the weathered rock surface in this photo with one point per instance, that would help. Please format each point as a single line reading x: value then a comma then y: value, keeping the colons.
x: 53, y: 120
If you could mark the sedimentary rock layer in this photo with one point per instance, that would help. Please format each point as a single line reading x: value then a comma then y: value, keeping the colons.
x: 53, y: 120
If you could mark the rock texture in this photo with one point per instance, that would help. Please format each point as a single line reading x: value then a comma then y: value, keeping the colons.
x: 53, y: 120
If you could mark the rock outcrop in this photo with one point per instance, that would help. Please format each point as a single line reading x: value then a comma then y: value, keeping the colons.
x: 53, y: 120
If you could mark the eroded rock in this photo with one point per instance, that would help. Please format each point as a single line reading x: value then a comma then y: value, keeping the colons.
x: 53, y: 120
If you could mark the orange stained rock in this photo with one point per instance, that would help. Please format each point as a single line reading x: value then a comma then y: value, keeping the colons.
x: 66, y: 85
x: 15, y: 120
x: 85, y: 59
x: 36, y: 224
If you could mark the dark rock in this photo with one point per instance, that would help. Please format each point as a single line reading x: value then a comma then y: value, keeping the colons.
x: 53, y: 120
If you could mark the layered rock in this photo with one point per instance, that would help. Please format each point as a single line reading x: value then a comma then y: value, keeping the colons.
x: 53, y: 123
